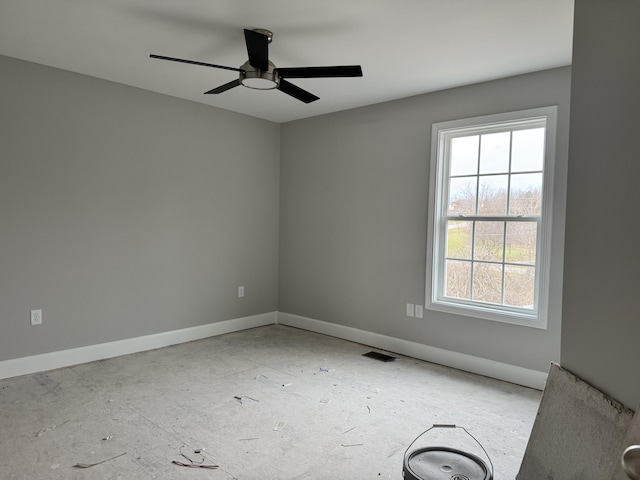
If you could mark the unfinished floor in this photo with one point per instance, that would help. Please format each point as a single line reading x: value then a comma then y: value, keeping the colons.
x: 267, y: 403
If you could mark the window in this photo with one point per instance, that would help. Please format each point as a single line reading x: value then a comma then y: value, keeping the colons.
x: 490, y: 216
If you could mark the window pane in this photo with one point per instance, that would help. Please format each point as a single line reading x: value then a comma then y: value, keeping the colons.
x: 526, y: 194
x: 459, y: 239
x: 527, y: 150
x: 492, y: 191
x: 519, y: 286
x: 521, y: 242
x: 464, y: 155
x: 494, y: 152
x: 486, y: 224
x: 458, y: 278
x: 488, y: 241
x: 487, y: 282
x: 462, y: 196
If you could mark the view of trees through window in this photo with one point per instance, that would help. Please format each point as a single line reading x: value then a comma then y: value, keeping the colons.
x: 493, y: 216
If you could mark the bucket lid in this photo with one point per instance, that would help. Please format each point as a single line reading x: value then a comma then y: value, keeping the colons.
x: 442, y: 463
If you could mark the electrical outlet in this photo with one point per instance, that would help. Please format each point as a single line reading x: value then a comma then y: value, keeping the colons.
x: 419, y: 311
x: 410, y: 310
x: 36, y: 317
x: 240, y: 292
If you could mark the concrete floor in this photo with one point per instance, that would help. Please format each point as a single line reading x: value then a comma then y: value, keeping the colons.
x: 312, y: 407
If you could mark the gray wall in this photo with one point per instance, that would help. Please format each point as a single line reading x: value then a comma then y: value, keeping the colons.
x: 353, y: 210
x: 125, y: 213
x: 601, y: 310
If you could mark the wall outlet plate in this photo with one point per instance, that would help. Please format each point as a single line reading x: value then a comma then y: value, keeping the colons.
x: 36, y: 317
x: 410, y: 310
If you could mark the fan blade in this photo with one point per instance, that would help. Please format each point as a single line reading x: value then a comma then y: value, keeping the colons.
x: 160, y: 57
x: 317, y: 72
x: 225, y: 87
x: 258, y: 49
x: 296, y: 92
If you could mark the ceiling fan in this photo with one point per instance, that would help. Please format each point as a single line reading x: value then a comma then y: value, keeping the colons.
x: 259, y: 73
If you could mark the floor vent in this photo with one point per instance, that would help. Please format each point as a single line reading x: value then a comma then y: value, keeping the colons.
x: 379, y: 356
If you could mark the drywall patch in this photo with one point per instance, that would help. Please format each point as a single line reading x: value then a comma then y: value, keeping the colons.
x: 578, y: 433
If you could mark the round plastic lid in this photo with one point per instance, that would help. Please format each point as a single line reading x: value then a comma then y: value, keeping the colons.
x: 442, y: 463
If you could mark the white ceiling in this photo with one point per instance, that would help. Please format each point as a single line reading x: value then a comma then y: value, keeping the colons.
x: 405, y: 47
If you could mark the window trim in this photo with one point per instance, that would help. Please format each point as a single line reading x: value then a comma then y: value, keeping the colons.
x: 440, y: 130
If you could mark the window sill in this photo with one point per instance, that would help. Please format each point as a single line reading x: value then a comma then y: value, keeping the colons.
x: 533, y: 320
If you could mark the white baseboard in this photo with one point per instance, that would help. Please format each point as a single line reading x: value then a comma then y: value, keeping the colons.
x: 461, y: 361
x: 64, y: 358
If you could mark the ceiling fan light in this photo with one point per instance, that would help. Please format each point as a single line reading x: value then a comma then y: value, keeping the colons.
x: 259, y: 83
x: 251, y: 77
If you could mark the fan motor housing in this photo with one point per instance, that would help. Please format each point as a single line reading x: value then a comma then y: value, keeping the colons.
x: 255, y: 78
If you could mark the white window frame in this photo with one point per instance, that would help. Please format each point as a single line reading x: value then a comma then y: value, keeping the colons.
x: 441, y: 133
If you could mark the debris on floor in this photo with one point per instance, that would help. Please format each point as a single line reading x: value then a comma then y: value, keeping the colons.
x: 240, y: 397
x: 89, y: 465
x: 108, y: 437
x: 42, y: 431
x: 395, y: 450
x: 278, y: 426
x: 193, y: 463
x: 352, y: 445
